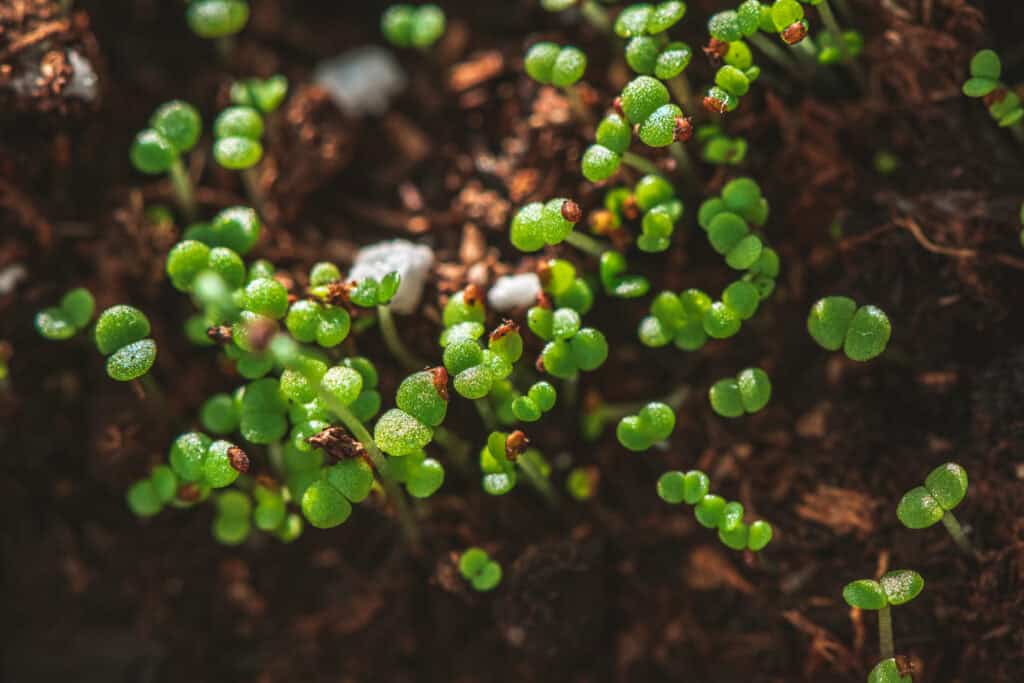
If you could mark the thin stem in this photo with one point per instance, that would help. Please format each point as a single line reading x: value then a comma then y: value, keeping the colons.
x: 225, y: 47
x: 454, y: 446
x: 680, y: 88
x: 251, y: 181
x: 1018, y: 131
x: 640, y: 163
x: 276, y: 454
x: 617, y: 411
x: 183, y: 189
x: 952, y: 525
x: 570, y: 391
x: 596, y: 15
x: 885, y: 643
x: 586, y: 243
x: 686, y: 167
x: 844, y: 51
x: 538, y: 480
x: 483, y: 406
x: 391, y: 488
x: 393, y: 341
x: 776, y: 54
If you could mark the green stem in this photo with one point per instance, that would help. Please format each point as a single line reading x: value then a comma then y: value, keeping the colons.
x: 225, y: 47
x: 640, y: 163
x: 596, y: 15
x: 570, y: 391
x: 586, y: 243
x: 776, y: 54
x: 686, y: 167
x: 391, y: 488
x: 454, y: 446
x: 885, y: 642
x: 844, y: 51
x: 617, y: 411
x: 952, y: 525
x: 251, y: 181
x: 183, y: 189
x: 680, y: 88
x: 483, y: 406
x: 538, y: 481
x: 579, y: 109
x: 276, y: 454
x: 393, y: 341
x: 1017, y: 130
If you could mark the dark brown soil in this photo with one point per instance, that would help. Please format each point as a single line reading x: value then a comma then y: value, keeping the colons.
x: 623, y: 588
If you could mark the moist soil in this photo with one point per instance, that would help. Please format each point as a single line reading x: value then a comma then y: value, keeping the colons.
x: 622, y: 587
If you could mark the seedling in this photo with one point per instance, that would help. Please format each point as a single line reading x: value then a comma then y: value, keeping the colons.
x: 617, y: 282
x: 644, y: 19
x: 923, y: 506
x: 652, y: 424
x: 217, y: 18
x: 728, y: 220
x: 713, y: 512
x: 591, y: 11
x: 836, y: 322
x: 558, y: 278
x: 237, y: 134
x: 718, y: 148
x: 265, y: 95
x: 538, y: 224
x: 831, y: 52
x: 646, y: 103
x: 505, y: 456
x: 570, y: 347
x: 238, y: 228
x: 173, y: 130
x: 748, y: 392
x: 1004, y: 105
x: 894, y: 588
x: 411, y: 26
x: 67, y: 319
x: 538, y: 400
x: 477, y: 567
x: 582, y: 483
x: 122, y: 336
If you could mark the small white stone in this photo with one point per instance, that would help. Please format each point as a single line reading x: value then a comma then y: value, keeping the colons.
x: 11, y: 276
x: 362, y: 80
x: 514, y: 291
x: 411, y: 261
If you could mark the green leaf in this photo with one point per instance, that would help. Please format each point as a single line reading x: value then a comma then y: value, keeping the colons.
x: 979, y: 87
x: 947, y: 484
x: 986, y: 64
x: 901, y: 586
x: 888, y: 671
x: 830, y: 319
x: 865, y: 594
x: 918, y: 509
x: 868, y: 334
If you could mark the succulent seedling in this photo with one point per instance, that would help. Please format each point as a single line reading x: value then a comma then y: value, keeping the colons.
x: 645, y: 102
x: 582, y: 483
x: 174, y: 129
x: 719, y: 149
x: 836, y: 322
x: 728, y: 219
x: 237, y: 133
x: 540, y: 224
x: 122, y: 336
x: 567, y: 290
x: 646, y: 19
x: 923, y: 506
x: 507, y: 455
x: 66, y: 319
x: 570, y: 347
x: 712, y: 511
x: 894, y: 588
x: 411, y: 26
x: 652, y: 424
x: 477, y: 567
x: 264, y: 95
x: 617, y: 282
x: 831, y: 52
x: 238, y: 228
x: 602, y: 159
x: 552, y: 64
x: 591, y: 10
x: 539, y: 399
x: 217, y: 18
x: 748, y: 392
x: 1004, y: 105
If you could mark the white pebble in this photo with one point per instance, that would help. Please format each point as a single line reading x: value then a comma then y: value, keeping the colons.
x: 411, y: 261
x: 361, y: 81
x: 514, y: 291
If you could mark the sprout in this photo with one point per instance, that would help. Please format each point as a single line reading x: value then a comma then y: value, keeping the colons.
x: 727, y: 220
x: 749, y: 392
x: 643, y: 19
x: 422, y: 476
x: 231, y: 523
x: 570, y: 347
x: 923, y: 506
x: 174, y: 129
x: 831, y: 52
x: 477, y: 567
x: 409, y: 26
x: 475, y: 369
x: 602, y: 159
x: 237, y: 132
x: 120, y: 335
x: 888, y: 671
x: 713, y: 512
x: 717, y: 148
x: 539, y: 399
x: 646, y: 103
x: 1004, y: 105
x: 653, y: 423
x: 582, y: 483
x: 543, y: 224
x: 265, y: 95
x: 615, y: 280
x: 237, y: 228
x: 788, y: 19
x: 505, y: 456
x: 67, y: 319
x: 552, y: 64
x: 217, y: 18
x: 836, y: 322
x: 147, y: 497
x: 422, y: 401
x: 894, y: 588
x: 649, y: 57
x: 220, y: 414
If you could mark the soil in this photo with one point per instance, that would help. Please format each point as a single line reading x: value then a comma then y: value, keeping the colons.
x: 623, y: 587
